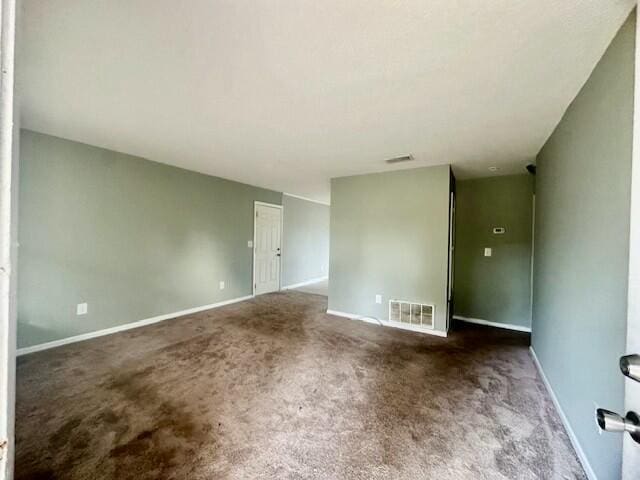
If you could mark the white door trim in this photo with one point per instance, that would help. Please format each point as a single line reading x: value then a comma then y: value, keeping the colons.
x: 253, y: 270
x: 8, y: 246
x: 274, y: 205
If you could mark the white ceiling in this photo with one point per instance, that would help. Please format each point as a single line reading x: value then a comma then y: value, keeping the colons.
x: 286, y: 94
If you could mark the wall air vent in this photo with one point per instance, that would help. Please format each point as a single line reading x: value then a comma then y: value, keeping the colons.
x: 406, y: 158
x: 411, y: 313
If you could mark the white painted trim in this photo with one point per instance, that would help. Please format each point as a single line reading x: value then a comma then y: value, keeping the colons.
x: 305, y: 283
x: 127, y: 326
x: 9, y: 132
x: 507, y: 326
x: 253, y: 269
x: 386, y: 323
x: 307, y: 199
x: 567, y: 426
x: 265, y: 204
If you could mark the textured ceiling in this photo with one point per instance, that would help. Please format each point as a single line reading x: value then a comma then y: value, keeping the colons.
x: 286, y: 94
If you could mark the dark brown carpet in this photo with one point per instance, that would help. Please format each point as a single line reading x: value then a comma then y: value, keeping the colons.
x: 275, y: 388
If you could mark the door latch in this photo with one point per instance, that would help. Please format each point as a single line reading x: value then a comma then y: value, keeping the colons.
x: 612, y: 422
x: 609, y: 421
x: 630, y: 366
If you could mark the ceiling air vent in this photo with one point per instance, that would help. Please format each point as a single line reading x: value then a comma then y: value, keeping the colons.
x: 406, y: 158
x: 411, y: 313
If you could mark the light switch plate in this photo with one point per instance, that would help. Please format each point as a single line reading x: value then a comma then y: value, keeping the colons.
x: 82, y: 309
x: 378, y: 298
x: 250, y: 244
x: 487, y: 252
x: 222, y: 285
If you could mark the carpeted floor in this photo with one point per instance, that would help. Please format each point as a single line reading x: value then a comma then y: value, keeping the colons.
x: 275, y: 388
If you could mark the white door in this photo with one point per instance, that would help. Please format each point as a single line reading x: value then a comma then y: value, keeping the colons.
x: 267, y: 248
x: 631, y: 449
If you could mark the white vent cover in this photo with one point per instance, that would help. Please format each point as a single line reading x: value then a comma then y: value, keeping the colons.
x: 411, y: 313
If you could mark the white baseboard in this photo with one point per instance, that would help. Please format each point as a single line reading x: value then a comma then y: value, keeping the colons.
x: 126, y: 326
x: 507, y: 326
x: 567, y: 426
x: 386, y: 323
x: 305, y: 283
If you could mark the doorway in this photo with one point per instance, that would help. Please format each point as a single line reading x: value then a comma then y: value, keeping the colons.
x: 267, y: 247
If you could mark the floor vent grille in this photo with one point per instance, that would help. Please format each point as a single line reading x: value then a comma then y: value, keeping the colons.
x: 411, y: 313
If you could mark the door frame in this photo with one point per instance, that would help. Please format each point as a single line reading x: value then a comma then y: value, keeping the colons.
x: 9, y: 138
x: 256, y: 203
x: 451, y: 259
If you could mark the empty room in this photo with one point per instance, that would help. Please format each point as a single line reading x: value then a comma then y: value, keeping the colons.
x: 319, y: 240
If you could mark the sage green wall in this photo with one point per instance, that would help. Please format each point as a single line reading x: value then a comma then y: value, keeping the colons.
x: 582, y: 248
x: 305, y: 246
x: 496, y: 288
x: 132, y: 238
x: 389, y: 236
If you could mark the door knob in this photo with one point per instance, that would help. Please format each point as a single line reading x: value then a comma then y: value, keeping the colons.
x: 612, y: 422
x: 630, y: 366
